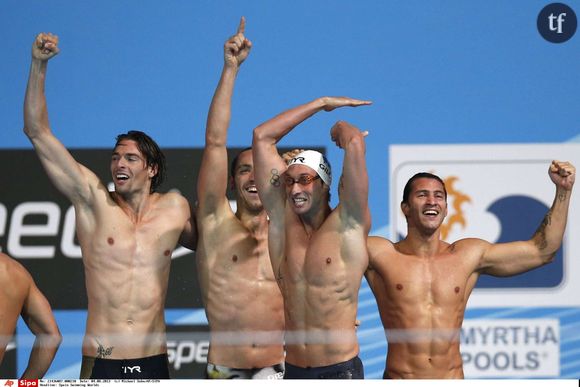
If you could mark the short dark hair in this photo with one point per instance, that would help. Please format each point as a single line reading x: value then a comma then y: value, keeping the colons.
x: 153, y: 154
x: 420, y: 175
x: 234, y: 162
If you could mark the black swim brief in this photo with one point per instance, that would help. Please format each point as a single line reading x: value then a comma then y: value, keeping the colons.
x: 153, y: 367
x: 350, y: 369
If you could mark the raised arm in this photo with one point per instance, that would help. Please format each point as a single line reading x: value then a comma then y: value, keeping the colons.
x: 354, y: 182
x: 37, y: 315
x: 269, y: 165
x: 505, y: 259
x: 213, y: 175
x: 72, y: 179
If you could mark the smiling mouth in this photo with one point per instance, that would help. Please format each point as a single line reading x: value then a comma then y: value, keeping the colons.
x: 252, y: 189
x: 298, y: 201
x: 122, y: 176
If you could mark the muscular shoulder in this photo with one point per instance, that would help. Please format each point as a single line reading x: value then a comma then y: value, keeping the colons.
x: 172, y: 200
x: 377, y: 244
x: 14, y: 274
x: 470, y: 245
x: 379, y: 248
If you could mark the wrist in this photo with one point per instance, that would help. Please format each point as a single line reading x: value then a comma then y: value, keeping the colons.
x: 562, y: 190
x: 38, y: 65
x: 230, y: 70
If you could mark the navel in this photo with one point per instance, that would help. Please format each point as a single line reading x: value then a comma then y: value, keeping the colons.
x: 167, y: 253
x: 110, y: 241
x: 457, y: 288
x: 328, y: 260
x: 399, y: 287
x: 235, y: 258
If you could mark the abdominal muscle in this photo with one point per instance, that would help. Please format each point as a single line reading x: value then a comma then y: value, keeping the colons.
x: 126, y: 311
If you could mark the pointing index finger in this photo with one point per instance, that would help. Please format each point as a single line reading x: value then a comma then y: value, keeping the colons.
x: 242, y: 26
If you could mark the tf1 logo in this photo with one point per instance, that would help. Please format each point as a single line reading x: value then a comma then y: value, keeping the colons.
x: 557, y: 22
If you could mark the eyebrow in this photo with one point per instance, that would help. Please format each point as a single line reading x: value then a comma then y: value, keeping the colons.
x: 300, y: 175
x: 125, y: 154
x: 427, y: 191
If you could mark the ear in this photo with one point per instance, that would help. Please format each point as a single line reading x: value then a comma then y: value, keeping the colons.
x: 405, y: 208
x: 153, y: 169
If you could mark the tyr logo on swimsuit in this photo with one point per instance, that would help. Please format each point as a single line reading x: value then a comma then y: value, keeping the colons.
x: 130, y: 370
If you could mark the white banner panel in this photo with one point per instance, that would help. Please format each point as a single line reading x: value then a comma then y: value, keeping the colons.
x: 503, y: 348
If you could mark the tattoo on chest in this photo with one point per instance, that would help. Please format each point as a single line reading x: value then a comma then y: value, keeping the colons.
x: 275, y: 178
x: 103, y: 352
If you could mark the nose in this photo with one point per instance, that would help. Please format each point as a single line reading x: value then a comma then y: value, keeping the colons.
x: 295, y: 188
x: 120, y: 162
x: 430, y: 199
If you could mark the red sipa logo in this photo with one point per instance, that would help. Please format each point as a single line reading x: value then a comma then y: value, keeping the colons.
x: 9, y: 383
x: 28, y: 382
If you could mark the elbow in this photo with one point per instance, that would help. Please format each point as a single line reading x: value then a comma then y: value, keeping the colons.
x: 258, y: 135
x: 55, y: 336
x: 261, y: 138
x: 56, y: 340
x: 27, y: 131
x: 33, y: 131
x: 545, y: 250
x: 549, y: 258
x: 51, y: 339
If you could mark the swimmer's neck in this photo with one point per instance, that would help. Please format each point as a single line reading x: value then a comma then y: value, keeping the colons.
x: 253, y: 221
x: 423, y: 245
x: 134, y: 205
x: 313, y: 220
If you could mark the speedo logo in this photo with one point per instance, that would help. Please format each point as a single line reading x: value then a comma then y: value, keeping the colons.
x: 23, y: 239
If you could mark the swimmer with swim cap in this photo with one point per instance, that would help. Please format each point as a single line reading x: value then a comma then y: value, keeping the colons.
x: 316, y: 161
x: 318, y: 253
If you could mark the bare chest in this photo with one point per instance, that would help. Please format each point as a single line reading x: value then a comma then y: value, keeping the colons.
x: 315, y: 261
x: 118, y: 239
x: 439, y: 282
x: 233, y: 250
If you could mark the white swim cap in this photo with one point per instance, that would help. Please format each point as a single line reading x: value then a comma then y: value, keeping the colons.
x: 316, y: 161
